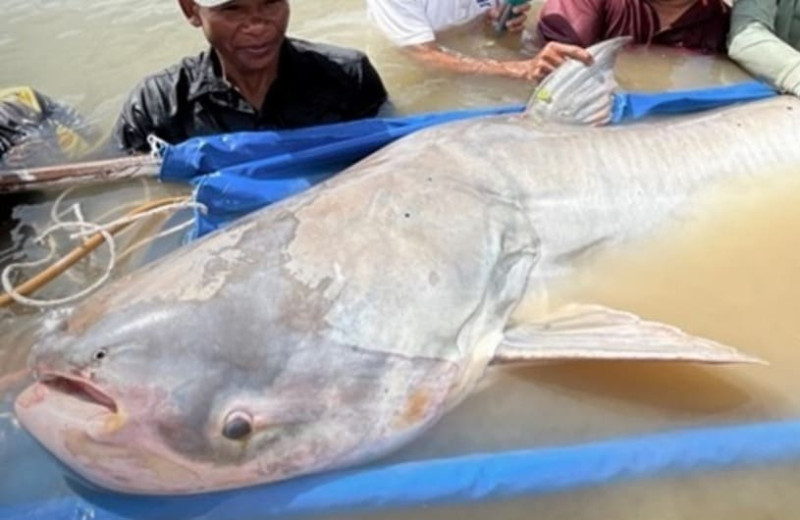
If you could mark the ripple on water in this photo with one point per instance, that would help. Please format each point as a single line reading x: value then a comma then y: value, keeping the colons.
x: 68, y: 34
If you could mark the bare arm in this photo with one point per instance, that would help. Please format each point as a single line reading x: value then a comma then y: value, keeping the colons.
x: 405, y: 23
x: 534, y: 69
x: 433, y: 54
x: 753, y: 44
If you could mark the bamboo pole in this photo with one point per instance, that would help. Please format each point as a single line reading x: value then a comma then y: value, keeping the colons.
x: 28, y: 179
x: 89, y: 245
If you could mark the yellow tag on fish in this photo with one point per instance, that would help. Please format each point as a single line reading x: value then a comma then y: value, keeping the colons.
x: 544, y: 96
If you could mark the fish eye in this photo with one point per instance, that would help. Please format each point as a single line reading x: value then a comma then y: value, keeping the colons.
x: 238, y: 425
x: 100, y: 354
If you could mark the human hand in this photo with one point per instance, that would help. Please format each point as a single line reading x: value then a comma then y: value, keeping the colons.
x: 548, y: 59
x: 517, y: 22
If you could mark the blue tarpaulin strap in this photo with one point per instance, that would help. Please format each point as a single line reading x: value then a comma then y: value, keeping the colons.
x: 286, y: 153
x: 630, y: 106
x: 235, y: 174
x: 455, y: 480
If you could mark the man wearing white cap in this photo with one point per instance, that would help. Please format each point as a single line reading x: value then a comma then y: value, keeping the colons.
x: 252, y: 78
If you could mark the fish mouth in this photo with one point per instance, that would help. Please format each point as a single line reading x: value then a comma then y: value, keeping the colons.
x: 77, y: 388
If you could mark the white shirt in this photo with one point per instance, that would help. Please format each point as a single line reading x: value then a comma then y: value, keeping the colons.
x: 413, y: 22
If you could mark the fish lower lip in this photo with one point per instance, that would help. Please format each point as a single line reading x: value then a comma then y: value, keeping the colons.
x: 79, y: 389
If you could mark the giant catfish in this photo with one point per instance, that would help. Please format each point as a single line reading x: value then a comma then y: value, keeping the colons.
x: 335, y: 326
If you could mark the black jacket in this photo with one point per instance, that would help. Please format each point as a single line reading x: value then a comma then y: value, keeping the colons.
x: 35, y: 130
x: 316, y: 84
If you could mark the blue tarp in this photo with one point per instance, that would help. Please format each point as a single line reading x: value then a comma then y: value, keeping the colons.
x: 631, y: 106
x: 464, y: 479
x: 238, y: 173
x: 234, y: 174
x: 286, y: 153
x: 241, y: 172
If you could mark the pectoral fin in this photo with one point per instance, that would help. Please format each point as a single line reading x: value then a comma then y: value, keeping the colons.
x: 583, y: 332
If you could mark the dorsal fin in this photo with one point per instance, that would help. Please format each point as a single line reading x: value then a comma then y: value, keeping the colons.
x: 577, y: 94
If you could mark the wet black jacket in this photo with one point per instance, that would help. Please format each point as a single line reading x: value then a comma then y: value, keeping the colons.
x: 35, y: 130
x: 316, y: 84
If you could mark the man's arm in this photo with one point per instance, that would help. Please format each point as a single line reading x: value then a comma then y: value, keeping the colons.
x: 534, y: 69
x: 404, y: 22
x: 753, y: 44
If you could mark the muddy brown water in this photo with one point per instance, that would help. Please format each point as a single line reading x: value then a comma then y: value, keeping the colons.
x: 729, y: 274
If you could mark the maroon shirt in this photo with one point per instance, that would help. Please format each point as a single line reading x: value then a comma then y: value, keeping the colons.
x: 703, y: 26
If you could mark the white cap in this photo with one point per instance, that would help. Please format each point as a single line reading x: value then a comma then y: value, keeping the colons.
x: 210, y: 3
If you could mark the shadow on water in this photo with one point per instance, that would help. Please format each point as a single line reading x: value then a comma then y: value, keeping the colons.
x: 657, y: 388
x: 12, y: 237
x: 16, y: 331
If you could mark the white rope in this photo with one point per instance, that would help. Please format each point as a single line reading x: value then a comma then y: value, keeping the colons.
x: 170, y: 231
x: 19, y: 298
x: 55, y: 216
x: 166, y: 232
x: 157, y: 147
x: 85, y: 229
x: 128, y: 206
x: 7, y: 252
x: 139, y: 216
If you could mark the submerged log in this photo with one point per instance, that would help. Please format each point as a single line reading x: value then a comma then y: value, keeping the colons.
x: 28, y: 179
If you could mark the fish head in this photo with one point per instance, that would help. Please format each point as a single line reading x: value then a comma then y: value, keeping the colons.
x: 174, y: 399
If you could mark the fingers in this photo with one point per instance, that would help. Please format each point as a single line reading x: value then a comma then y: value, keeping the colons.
x: 569, y: 51
x: 578, y: 53
x: 552, y: 59
x: 516, y: 24
x: 531, y: 70
x: 527, y: 70
x: 565, y: 50
x: 541, y: 70
x: 552, y: 56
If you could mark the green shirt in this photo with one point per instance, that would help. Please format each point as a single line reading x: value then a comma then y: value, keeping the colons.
x: 765, y: 38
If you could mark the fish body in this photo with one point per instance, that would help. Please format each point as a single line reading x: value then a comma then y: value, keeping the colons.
x: 335, y: 326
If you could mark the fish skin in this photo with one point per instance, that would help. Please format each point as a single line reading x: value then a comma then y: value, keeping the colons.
x: 346, y: 320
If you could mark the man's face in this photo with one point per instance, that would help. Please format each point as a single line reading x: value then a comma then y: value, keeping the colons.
x: 247, y: 34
